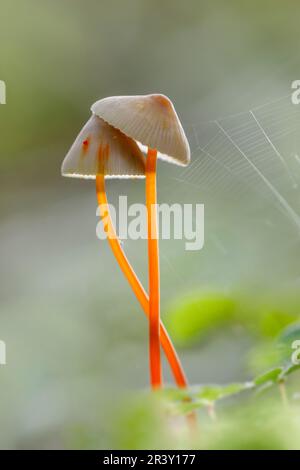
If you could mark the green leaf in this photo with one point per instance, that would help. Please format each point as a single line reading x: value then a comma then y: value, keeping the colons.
x: 212, y: 393
x: 278, y: 353
x: 290, y: 334
x: 285, y: 342
x: 187, y: 407
x: 174, y: 394
x: 288, y: 370
x: 272, y: 322
x: 190, y: 320
x: 271, y: 376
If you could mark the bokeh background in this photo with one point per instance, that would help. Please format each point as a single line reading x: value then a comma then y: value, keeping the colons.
x: 76, y: 338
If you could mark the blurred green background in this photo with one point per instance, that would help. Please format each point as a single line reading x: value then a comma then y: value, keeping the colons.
x: 76, y: 338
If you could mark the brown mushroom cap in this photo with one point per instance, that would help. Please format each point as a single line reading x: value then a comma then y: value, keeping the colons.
x: 151, y: 120
x: 99, y: 148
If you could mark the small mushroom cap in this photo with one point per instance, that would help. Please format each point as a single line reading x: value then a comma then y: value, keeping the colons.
x: 100, y: 148
x: 151, y: 120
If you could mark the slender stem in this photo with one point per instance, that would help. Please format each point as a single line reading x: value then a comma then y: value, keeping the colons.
x: 135, y: 284
x: 283, y: 394
x: 211, y: 410
x: 153, y: 257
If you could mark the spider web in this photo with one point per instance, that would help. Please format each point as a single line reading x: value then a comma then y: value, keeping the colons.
x: 252, y: 153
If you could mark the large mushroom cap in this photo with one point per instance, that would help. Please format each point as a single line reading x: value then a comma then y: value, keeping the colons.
x: 149, y: 119
x: 100, y: 148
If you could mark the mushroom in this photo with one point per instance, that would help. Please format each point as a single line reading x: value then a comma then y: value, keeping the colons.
x: 151, y: 120
x: 101, y: 151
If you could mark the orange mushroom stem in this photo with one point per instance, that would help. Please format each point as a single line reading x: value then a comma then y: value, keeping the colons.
x: 128, y: 271
x: 153, y: 256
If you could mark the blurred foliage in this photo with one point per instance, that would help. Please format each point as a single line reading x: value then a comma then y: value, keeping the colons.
x: 195, y: 317
x: 275, y: 353
x: 272, y: 322
x: 240, y: 425
x: 137, y: 423
x: 191, y: 319
x: 233, y: 416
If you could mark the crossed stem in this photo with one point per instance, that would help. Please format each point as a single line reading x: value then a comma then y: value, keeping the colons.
x: 135, y: 284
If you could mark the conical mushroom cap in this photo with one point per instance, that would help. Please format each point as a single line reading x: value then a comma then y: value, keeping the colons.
x: 149, y: 119
x: 100, y: 148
